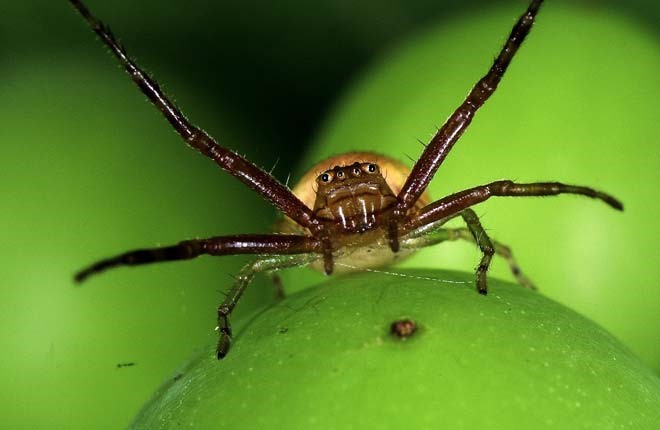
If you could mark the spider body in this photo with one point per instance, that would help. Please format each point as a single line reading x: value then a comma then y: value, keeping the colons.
x: 355, y: 194
x: 350, y: 212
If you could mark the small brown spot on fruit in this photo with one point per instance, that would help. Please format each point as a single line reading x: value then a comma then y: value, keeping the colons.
x: 403, y: 328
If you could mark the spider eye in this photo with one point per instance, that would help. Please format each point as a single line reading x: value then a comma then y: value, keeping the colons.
x: 356, y: 171
x: 324, y: 177
x: 370, y: 167
x: 340, y: 174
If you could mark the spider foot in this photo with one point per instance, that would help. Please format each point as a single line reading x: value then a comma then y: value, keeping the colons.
x: 525, y: 282
x: 223, y: 345
x: 482, y: 287
x: 482, y: 283
x: 279, y: 288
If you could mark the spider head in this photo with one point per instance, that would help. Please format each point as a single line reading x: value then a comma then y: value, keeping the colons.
x: 342, y: 176
x: 352, y: 194
x: 368, y: 183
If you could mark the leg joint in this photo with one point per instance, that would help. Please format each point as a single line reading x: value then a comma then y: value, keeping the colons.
x: 223, y: 311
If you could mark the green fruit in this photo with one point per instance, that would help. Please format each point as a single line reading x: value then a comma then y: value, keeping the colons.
x: 325, y: 358
x: 514, y: 359
x: 567, y: 109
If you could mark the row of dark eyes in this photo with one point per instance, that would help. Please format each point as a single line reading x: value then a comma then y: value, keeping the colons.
x: 364, y: 167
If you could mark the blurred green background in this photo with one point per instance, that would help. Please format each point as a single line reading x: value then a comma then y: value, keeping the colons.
x: 90, y: 169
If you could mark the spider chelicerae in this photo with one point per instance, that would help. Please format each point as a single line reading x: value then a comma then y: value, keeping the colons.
x: 344, y: 214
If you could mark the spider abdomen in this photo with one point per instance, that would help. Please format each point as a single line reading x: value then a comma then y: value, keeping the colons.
x: 360, y: 251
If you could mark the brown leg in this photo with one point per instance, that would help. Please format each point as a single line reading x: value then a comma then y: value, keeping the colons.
x: 223, y: 245
x: 254, y: 177
x: 451, y: 131
x: 450, y: 206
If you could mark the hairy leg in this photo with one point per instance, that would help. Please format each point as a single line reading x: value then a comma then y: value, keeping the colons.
x: 485, y: 245
x: 504, y: 252
x: 452, y: 205
x: 479, y: 236
x: 243, y: 279
x: 251, y: 175
x: 436, y: 151
x: 434, y: 237
x: 266, y: 244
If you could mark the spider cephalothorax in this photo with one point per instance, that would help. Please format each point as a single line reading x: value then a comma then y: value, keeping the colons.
x: 352, y: 211
x: 352, y: 190
x: 353, y: 196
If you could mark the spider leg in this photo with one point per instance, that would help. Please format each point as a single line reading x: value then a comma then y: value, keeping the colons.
x: 436, y: 151
x: 485, y: 245
x: 428, y: 237
x: 504, y: 252
x: 450, y: 206
x: 251, y: 175
x: 279, y: 287
x: 243, y: 279
x: 479, y: 236
x: 222, y: 245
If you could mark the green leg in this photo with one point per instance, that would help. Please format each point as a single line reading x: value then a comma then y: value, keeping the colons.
x: 501, y: 250
x: 277, y: 283
x: 242, y: 280
x: 426, y: 236
x: 485, y: 245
